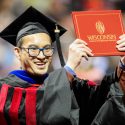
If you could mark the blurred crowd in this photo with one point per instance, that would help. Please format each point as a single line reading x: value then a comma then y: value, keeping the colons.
x: 60, y: 10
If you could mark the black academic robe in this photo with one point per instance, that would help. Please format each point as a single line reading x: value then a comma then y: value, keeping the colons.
x: 113, y: 110
x: 91, y: 98
x: 56, y: 102
x: 52, y: 103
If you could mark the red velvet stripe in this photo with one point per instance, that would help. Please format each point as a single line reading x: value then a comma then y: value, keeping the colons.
x: 30, y: 106
x: 3, y: 96
x: 14, y: 107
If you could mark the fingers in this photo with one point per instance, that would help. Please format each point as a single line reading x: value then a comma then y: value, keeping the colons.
x: 122, y: 36
x: 85, y: 56
x: 121, y: 49
x: 122, y: 39
x: 79, y: 41
x: 121, y: 43
x: 78, y: 50
x: 83, y: 52
x: 82, y: 46
x: 88, y: 52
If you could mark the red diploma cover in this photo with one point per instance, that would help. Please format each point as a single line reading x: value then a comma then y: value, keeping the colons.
x: 100, y: 29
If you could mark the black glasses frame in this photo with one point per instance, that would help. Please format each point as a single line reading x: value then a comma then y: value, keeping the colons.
x: 40, y: 49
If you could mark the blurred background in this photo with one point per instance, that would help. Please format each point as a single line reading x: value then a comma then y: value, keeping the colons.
x: 60, y: 10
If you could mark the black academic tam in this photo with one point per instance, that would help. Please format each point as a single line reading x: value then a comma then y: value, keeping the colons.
x: 30, y: 15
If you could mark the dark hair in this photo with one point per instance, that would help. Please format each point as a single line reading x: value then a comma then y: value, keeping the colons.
x: 20, y: 42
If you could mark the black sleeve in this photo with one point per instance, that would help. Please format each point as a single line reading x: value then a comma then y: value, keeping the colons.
x: 83, y: 93
x: 102, y: 90
x: 59, y: 106
x: 104, y: 115
x: 91, y: 98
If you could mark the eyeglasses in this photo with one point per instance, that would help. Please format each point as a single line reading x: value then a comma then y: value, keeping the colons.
x: 34, y: 52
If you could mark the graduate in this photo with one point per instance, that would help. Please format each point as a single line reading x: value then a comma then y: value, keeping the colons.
x: 112, y: 112
x: 31, y: 95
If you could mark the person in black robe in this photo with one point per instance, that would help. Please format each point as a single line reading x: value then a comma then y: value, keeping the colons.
x: 112, y: 111
x: 31, y: 96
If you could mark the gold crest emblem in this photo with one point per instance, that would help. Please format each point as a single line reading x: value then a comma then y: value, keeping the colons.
x: 100, y: 27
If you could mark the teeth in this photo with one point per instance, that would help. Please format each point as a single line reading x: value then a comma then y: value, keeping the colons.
x: 40, y: 63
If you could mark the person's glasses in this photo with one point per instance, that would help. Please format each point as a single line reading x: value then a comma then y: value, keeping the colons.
x: 34, y: 52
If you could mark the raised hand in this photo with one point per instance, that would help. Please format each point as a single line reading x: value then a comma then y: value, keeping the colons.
x: 121, y: 43
x: 121, y: 46
x: 78, y: 50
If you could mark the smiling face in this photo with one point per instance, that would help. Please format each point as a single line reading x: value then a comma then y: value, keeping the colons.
x: 34, y: 65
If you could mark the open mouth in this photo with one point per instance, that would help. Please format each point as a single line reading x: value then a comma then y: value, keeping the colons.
x: 41, y: 65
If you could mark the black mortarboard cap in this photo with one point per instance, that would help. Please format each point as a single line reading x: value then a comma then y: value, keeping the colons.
x: 30, y: 22
x: 30, y: 17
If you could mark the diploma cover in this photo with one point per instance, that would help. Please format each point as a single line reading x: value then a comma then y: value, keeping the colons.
x: 100, y: 29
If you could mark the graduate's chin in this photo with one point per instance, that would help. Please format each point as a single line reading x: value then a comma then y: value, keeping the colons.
x: 41, y: 71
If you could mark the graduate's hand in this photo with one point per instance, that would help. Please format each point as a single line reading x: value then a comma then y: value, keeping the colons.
x: 121, y: 43
x: 121, y: 46
x: 78, y: 50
